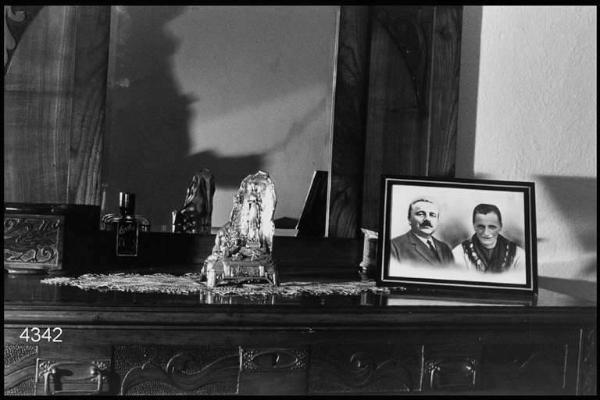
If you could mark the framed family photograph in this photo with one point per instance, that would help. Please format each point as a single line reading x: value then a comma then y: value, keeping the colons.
x: 460, y: 235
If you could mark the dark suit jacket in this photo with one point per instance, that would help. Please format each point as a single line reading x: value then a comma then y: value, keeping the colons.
x: 409, y: 248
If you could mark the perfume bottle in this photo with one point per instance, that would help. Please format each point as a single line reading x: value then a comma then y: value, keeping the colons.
x: 109, y: 222
x: 127, y: 226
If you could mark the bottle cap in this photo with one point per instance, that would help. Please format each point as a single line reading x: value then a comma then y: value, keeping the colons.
x: 127, y: 203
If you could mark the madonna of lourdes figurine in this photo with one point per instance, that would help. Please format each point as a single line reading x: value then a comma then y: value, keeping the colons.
x: 243, y: 246
x: 196, y: 214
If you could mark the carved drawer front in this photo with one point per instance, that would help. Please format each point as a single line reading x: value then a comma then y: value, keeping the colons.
x: 19, y: 369
x: 451, y: 367
x: 69, y: 377
x: 365, y: 368
x: 170, y: 370
x: 273, y: 370
x: 529, y: 368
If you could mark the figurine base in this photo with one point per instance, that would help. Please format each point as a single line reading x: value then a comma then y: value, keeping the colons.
x: 234, y: 281
x: 227, y: 271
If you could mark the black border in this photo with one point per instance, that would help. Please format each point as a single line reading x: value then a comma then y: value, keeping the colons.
x: 460, y: 288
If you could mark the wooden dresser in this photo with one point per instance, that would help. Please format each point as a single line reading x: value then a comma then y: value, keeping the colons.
x: 125, y: 343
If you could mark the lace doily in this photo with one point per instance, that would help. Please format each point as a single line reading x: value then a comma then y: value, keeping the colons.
x: 190, y: 283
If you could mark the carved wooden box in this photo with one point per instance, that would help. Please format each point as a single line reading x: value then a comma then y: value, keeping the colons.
x: 48, y: 237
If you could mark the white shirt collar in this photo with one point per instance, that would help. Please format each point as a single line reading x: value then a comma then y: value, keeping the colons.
x: 425, y: 240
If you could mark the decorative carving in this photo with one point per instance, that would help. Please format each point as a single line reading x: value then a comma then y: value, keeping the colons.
x: 196, y: 214
x: 89, y: 374
x: 17, y: 353
x: 44, y: 366
x: 32, y: 241
x: 9, y: 40
x: 101, y: 364
x: 539, y: 366
x: 364, y: 368
x: 22, y: 388
x: 183, y: 371
x: 462, y: 370
x: 369, y: 370
x: 15, y: 23
x: 139, y: 375
x: 243, y: 246
x: 260, y: 360
x: 19, y: 369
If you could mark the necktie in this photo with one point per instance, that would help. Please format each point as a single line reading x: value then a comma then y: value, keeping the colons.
x: 435, y: 254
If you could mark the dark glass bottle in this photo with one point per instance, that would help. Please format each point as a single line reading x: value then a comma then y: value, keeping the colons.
x: 127, y: 226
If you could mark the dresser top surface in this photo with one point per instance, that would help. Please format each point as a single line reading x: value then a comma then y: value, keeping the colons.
x: 28, y: 291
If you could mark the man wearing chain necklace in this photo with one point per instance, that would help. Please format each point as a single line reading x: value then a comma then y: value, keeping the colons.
x: 487, y: 250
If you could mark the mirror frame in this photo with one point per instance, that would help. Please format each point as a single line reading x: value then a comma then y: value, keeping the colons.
x: 363, y: 124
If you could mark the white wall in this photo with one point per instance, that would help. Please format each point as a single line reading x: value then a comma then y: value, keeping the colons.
x: 528, y: 113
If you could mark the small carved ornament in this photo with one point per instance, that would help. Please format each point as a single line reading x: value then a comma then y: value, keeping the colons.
x: 196, y: 214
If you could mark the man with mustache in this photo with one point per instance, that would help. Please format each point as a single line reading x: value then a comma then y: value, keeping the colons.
x: 418, y: 246
x: 487, y: 250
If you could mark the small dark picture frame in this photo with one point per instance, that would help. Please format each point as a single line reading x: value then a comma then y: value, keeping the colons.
x: 459, y: 236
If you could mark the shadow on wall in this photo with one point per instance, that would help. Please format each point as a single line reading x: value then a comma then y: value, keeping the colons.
x: 468, y: 91
x: 232, y: 89
x: 576, y: 288
x: 148, y: 144
x: 577, y: 200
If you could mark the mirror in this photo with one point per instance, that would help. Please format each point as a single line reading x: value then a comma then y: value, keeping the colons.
x: 231, y: 88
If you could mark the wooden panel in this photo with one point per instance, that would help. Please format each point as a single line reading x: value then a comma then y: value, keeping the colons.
x: 444, y: 91
x: 366, y: 368
x: 168, y: 370
x: 54, y: 102
x: 397, y: 109
x: 529, y: 367
x: 349, y: 122
x: 272, y: 370
x: 373, y: 358
x: 87, y: 124
x: 413, y: 93
x: 37, y: 109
